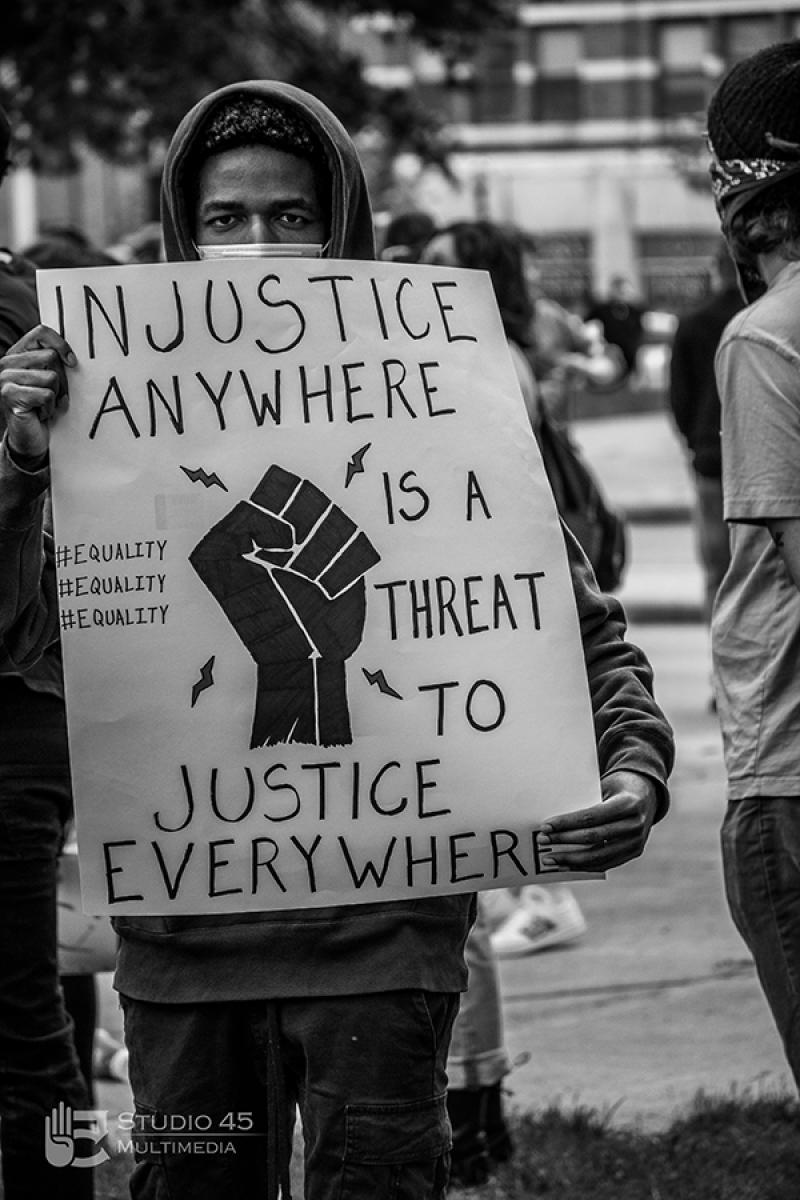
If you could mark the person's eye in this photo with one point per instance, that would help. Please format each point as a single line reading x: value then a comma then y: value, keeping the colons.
x: 295, y: 220
x: 222, y: 221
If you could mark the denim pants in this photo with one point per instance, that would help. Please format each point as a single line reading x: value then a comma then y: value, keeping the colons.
x: 761, y: 858
x: 711, y: 535
x: 367, y: 1073
x: 38, y: 1065
x: 478, y: 1057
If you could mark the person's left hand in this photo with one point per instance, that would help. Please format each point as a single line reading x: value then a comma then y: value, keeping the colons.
x: 607, y: 834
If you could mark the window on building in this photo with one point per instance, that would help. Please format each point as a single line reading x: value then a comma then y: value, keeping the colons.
x: 742, y: 36
x: 675, y: 268
x: 683, y: 87
x: 495, y: 86
x: 558, y: 87
x: 608, y: 41
x: 563, y: 262
x: 610, y: 100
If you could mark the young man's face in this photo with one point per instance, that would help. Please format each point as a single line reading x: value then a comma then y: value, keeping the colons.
x: 257, y: 194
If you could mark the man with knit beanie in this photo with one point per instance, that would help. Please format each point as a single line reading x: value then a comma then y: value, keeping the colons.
x: 754, y: 138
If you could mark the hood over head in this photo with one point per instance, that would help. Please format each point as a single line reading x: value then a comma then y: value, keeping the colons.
x: 321, y: 137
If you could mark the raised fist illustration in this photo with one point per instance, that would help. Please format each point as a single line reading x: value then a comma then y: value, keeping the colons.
x: 287, y: 567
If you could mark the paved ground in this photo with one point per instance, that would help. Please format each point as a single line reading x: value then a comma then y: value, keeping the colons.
x: 659, y: 998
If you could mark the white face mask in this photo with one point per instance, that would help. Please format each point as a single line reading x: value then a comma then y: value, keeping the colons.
x: 262, y: 250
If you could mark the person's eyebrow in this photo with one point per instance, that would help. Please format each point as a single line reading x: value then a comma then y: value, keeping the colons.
x: 218, y: 201
x: 301, y: 201
x: 234, y: 201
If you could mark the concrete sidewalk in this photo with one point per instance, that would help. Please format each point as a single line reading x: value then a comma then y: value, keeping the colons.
x: 659, y: 998
x: 642, y: 469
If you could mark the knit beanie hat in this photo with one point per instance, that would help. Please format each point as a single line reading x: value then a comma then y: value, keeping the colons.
x: 754, y: 126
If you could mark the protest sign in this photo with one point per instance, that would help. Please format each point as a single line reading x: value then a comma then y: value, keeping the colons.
x: 320, y: 641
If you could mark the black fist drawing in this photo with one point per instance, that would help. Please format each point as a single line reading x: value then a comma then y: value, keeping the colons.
x: 287, y: 567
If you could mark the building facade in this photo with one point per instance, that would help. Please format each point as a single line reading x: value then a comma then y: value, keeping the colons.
x: 583, y: 125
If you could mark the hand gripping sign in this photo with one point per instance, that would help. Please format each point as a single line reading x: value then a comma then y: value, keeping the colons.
x: 319, y: 632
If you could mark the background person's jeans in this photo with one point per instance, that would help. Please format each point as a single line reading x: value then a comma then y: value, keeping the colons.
x: 761, y: 857
x: 711, y: 535
x: 478, y: 1055
x: 368, y: 1074
x: 38, y: 1064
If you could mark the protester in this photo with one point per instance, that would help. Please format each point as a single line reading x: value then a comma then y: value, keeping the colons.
x: 346, y: 1011
x: 568, y: 355
x: 484, y: 246
x: 39, y: 1068
x: 406, y: 235
x: 694, y: 400
x: 142, y: 245
x: 510, y: 921
x: 621, y: 318
x: 67, y: 248
x: 754, y: 137
x: 99, y: 1054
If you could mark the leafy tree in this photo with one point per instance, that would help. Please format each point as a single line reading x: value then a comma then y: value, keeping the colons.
x: 117, y: 75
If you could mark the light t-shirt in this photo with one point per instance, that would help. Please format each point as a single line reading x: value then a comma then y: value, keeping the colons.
x: 756, y: 621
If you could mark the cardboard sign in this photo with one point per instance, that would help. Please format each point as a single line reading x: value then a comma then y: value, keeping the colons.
x: 320, y: 640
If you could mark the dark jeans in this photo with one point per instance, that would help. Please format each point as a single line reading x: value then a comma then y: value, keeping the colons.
x: 367, y: 1072
x: 38, y: 1065
x: 761, y: 857
x: 711, y: 534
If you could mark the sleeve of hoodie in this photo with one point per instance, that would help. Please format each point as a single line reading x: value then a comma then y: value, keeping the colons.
x: 28, y: 602
x: 631, y: 731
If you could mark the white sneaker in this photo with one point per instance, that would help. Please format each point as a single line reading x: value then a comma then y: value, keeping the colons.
x: 110, y: 1057
x: 497, y: 905
x: 544, y: 917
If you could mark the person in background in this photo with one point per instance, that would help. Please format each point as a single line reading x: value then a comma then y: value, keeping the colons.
x: 405, y: 236
x: 695, y: 405
x: 67, y: 248
x: 142, y: 245
x: 621, y: 319
x: 754, y: 139
x: 39, y: 1066
x: 345, y: 1011
x: 511, y: 921
x: 567, y: 353
x: 525, y: 920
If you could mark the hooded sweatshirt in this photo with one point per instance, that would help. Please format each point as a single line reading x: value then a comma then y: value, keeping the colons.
x: 354, y: 948
x: 351, y: 234
x: 348, y: 949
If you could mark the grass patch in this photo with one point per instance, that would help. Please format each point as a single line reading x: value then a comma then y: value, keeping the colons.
x: 722, y: 1149
x: 733, y: 1148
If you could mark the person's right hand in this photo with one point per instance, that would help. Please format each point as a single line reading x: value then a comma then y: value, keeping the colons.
x: 33, y: 389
